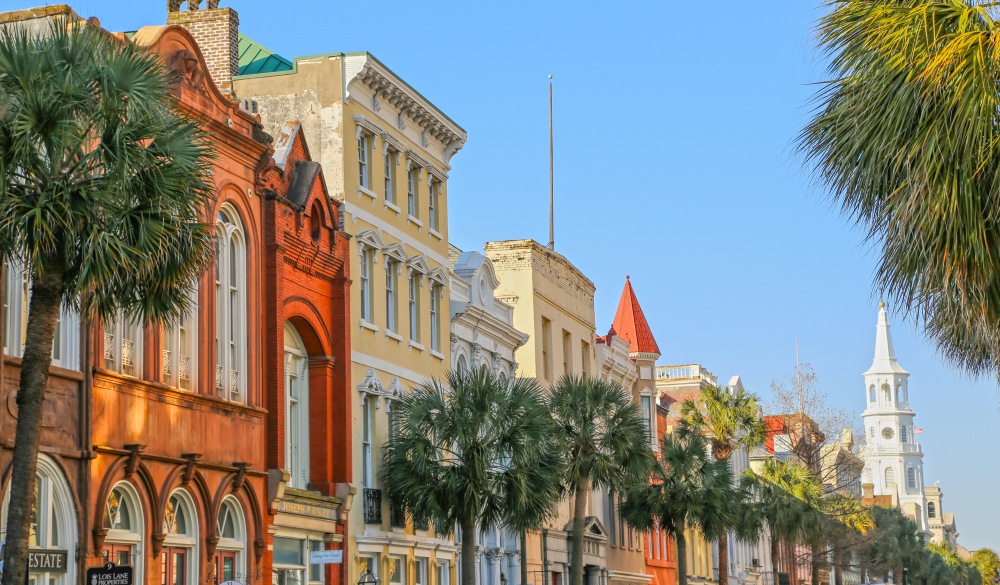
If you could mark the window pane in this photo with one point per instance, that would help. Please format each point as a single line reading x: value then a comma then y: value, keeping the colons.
x: 287, y: 551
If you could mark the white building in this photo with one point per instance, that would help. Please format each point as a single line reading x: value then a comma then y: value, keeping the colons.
x: 892, y: 456
x: 483, y: 335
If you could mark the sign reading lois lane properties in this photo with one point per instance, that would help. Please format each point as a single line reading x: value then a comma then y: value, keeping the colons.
x: 109, y: 574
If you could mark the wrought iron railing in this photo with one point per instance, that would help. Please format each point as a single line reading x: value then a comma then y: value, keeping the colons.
x: 373, y: 506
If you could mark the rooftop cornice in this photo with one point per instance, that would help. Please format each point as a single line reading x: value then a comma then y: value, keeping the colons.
x: 391, y: 89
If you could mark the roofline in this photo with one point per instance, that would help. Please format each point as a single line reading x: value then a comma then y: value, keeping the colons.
x: 295, y: 68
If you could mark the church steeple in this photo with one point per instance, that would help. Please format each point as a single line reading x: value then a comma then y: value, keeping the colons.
x: 885, y: 356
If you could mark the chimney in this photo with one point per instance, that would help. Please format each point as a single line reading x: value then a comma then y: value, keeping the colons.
x: 216, y: 30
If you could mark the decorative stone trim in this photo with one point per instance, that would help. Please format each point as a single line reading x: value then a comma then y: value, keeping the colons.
x: 417, y: 346
x: 415, y: 221
x: 421, y: 162
x: 418, y: 264
x: 436, y: 234
x: 368, y: 192
x: 437, y: 355
x: 371, y: 239
x: 395, y: 252
x: 362, y: 123
x: 439, y: 276
x: 437, y: 173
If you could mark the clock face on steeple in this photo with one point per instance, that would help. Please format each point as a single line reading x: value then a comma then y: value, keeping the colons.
x: 888, y: 433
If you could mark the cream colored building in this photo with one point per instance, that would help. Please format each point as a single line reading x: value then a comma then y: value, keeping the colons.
x: 386, y: 152
x: 940, y: 523
x: 554, y: 303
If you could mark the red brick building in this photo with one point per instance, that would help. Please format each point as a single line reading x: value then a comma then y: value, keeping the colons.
x: 215, y: 448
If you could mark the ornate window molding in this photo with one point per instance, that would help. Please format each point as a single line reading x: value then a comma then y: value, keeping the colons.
x: 437, y: 275
x: 419, y: 265
x: 370, y: 239
x: 371, y: 386
x: 394, y: 252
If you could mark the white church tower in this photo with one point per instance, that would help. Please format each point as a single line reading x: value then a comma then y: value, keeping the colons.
x: 893, y: 460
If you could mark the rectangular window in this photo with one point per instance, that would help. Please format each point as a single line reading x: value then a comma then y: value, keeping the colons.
x: 442, y: 574
x: 547, y: 348
x: 420, y: 578
x: 66, y: 339
x: 390, y: 176
x: 123, y: 347
x: 365, y: 273
x: 412, y: 198
x: 584, y: 357
x: 415, y: 307
x: 369, y: 564
x: 567, y: 353
x: 316, y: 571
x: 180, y: 351
x: 364, y: 176
x: 432, y: 204
x: 397, y: 570
x: 436, y: 317
x: 391, y: 270
x: 366, y: 443
x: 647, y: 415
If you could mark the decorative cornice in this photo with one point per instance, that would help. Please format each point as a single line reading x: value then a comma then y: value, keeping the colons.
x: 394, y: 252
x: 390, y: 89
x: 439, y: 276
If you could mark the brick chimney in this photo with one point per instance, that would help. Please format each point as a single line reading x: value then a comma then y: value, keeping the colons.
x: 216, y: 31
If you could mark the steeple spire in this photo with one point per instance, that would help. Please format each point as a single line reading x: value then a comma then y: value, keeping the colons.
x: 630, y: 323
x: 885, y: 356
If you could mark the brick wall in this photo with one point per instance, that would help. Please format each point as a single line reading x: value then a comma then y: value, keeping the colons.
x: 217, y: 33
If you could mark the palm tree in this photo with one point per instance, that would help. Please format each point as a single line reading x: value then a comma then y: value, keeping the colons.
x: 476, y: 452
x: 687, y: 488
x: 603, y: 442
x: 732, y: 420
x: 787, y: 502
x: 905, y: 138
x: 103, y: 189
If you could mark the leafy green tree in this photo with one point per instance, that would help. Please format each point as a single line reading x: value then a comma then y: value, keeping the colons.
x: 988, y: 564
x: 787, y: 502
x: 732, y: 420
x: 104, y: 186
x: 688, y: 488
x: 474, y: 451
x: 904, y: 136
x: 603, y: 442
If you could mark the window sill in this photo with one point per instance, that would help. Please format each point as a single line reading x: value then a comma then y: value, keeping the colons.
x: 390, y: 205
x: 435, y: 233
x: 366, y: 191
x: 369, y: 326
x: 389, y: 334
x: 437, y: 354
x: 415, y: 221
x: 417, y: 346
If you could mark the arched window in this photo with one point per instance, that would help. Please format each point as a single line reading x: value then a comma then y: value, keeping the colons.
x: 180, y: 346
x: 53, y: 523
x: 230, y: 556
x: 886, y: 394
x: 890, y: 477
x: 316, y: 222
x: 124, y: 521
x: 179, y: 554
x: 462, y: 364
x: 871, y: 394
x: 911, y: 479
x: 296, y: 409
x: 900, y: 397
x: 230, y: 307
x: 931, y: 510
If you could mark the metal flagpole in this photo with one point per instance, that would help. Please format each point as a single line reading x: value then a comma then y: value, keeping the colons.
x: 552, y: 235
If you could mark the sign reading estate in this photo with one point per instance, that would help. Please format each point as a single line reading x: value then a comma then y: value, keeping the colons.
x: 109, y: 574
x: 46, y: 561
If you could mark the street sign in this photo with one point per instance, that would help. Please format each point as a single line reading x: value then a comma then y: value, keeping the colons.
x: 109, y: 574
x: 326, y: 557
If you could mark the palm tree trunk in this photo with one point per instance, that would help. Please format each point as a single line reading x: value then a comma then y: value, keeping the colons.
x: 724, y: 558
x: 468, y: 550
x: 775, y: 557
x: 579, y: 516
x: 524, y: 557
x: 43, y: 312
x: 682, y: 565
x: 814, y: 557
x: 838, y: 565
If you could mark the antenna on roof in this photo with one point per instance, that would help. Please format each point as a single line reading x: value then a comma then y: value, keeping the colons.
x: 552, y: 233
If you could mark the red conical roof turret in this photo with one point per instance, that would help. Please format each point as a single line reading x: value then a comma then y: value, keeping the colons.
x: 630, y: 324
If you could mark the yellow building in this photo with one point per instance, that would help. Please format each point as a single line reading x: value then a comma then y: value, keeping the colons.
x: 386, y: 151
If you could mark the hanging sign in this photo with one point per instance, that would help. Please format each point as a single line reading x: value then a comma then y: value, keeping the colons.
x: 109, y: 574
x: 47, y: 561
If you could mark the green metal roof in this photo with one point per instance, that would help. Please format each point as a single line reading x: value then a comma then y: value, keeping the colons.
x: 256, y: 58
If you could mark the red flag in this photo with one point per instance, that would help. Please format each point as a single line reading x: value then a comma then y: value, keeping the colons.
x: 918, y: 431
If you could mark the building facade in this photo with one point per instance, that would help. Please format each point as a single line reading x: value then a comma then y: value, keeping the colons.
x: 893, y: 458
x: 941, y: 524
x: 386, y: 152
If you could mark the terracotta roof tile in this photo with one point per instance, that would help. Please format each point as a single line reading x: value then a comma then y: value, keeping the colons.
x: 631, y: 325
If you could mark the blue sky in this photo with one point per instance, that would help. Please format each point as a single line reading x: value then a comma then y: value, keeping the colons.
x: 675, y: 164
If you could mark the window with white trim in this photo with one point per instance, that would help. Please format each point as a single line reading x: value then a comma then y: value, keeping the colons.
x: 647, y: 415
x: 230, y: 307
x: 433, y: 204
x: 904, y: 434
x: 414, y: 304
x: 911, y: 478
x: 179, y: 553
x: 443, y: 574
x: 436, y: 317
x: 66, y: 339
x: 367, y: 422
x: 871, y: 394
x: 462, y: 364
x: 412, y: 196
x: 123, y: 520
x: 390, y: 175
x: 420, y: 572
x: 364, y: 168
x: 123, y: 346
x: 180, y: 347
x: 931, y: 510
x: 230, y: 552
x: 365, y: 288
x: 296, y: 409
x: 397, y: 570
x: 391, y: 304
x: 890, y: 477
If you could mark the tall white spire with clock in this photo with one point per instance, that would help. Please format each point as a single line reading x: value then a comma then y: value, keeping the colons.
x: 893, y: 459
